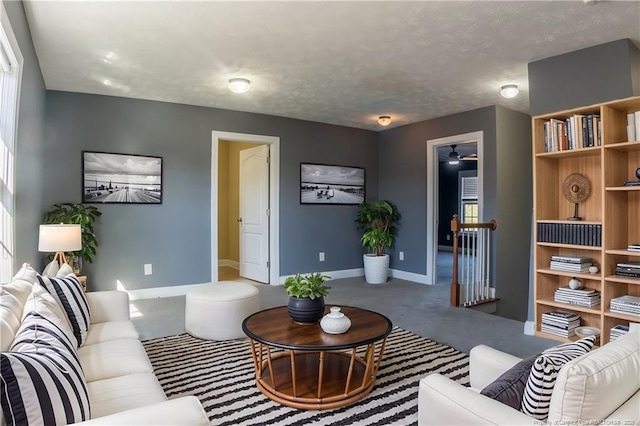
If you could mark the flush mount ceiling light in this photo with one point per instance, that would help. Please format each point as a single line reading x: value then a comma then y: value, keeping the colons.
x: 509, y: 90
x: 454, y: 157
x: 384, y: 120
x: 239, y: 85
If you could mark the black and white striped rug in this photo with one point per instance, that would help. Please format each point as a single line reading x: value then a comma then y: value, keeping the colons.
x: 221, y: 375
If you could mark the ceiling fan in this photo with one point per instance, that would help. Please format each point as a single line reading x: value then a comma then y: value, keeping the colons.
x: 455, y: 158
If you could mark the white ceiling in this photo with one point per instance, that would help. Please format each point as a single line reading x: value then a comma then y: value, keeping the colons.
x: 334, y: 62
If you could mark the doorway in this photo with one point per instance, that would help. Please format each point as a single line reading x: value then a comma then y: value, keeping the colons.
x: 468, y: 148
x: 273, y: 144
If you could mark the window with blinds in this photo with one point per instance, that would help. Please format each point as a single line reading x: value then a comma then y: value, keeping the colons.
x: 10, y: 69
x: 469, y: 199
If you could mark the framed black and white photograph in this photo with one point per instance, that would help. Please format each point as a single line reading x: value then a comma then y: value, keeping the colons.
x: 121, y: 178
x: 324, y: 184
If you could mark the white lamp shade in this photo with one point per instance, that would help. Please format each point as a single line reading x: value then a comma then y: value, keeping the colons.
x: 55, y: 238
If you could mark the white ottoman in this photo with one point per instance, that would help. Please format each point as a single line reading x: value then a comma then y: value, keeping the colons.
x: 216, y: 311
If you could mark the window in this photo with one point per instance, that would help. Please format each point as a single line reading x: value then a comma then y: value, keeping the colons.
x: 10, y: 71
x: 469, y: 197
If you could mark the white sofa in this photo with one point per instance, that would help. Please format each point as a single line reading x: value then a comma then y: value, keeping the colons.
x: 602, y: 386
x: 120, y: 381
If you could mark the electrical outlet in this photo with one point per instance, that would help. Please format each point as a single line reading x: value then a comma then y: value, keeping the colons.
x: 448, y: 237
x: 321, y: 256
x: 148, y: 269
x: 401, y: 255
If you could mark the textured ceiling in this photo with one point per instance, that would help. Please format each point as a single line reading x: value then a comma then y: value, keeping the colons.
x: 335, y: 62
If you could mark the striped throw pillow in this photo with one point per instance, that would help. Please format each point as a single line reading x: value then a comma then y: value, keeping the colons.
x: 42, y: 380
x: 69, y: 293
x: 537, y: 392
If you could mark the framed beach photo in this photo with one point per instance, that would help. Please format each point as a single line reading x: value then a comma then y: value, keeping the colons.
x: 121, y: 178
x: 336, y: 185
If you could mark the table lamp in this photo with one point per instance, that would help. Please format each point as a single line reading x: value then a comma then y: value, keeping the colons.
x: 60, y: 239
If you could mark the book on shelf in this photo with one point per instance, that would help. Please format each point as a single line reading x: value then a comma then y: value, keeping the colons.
x: 559, y: 266
x: 569, y: 233
x: 634, y: 247
x: 561, y: 314
x: 560, y: 323
x: 557, y: 331
x: 587, y: 297
x: 630, y: 265
x: 618, y: 331
x: 626, y: 304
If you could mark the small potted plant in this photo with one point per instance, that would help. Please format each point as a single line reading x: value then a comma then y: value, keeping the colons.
x: 306, y: 297
x: 77, y: 214
x: 378, y: 219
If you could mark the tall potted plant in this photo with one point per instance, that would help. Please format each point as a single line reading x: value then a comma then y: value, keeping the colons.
x: 306, y: 297
x: 77, y: 214
x: 378, y: 220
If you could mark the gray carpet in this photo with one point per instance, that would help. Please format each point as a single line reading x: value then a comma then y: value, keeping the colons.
x: 419, y: 308
x: 222, y: 376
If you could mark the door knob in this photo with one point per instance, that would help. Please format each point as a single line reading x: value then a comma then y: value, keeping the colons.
x: 239, y: 219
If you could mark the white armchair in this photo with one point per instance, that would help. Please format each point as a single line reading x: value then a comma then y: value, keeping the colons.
x: 603, y: 385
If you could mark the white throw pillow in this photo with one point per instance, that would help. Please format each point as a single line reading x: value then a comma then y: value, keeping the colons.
x: 65, y: 269
x: 26, y: 273
x: 51, y: 269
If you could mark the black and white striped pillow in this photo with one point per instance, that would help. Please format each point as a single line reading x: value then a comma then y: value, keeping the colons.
x: 69, y: 293
x: 42, y: 380
x: 537, y: 392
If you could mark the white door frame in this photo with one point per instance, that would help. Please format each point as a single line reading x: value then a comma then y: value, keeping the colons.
x: 432, y: 184
x: 274, y: 198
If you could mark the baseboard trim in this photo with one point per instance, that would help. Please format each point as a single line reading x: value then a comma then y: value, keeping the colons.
x: 230, y: 263
x: 156, y: 292
x: 530, y: 328
x: 445, y: 248
x: 343, y: 273
x: 409, y: 276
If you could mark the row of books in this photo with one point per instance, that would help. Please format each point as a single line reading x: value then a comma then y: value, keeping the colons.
x: 581, y: 297
x: 626, y: 304
x: 570, y: 263
x: 570, y: 233
x: 618, y: 331
x: 628, y: 269
x: 634, y: 247
x: 577, y: 131
x: 560, y: 323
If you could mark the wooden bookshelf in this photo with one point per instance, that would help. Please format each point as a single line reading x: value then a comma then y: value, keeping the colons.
x: 613, y: 206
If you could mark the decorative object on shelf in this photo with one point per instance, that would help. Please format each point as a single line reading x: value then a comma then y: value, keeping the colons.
x: 378, y: 219
x: 638, y: 172
x: 576, y: 188
x: 633, y: 182
x: 335, y: 322
x: 306, y: 297
x: 575, y: 283
x: 585, y: 331
x: 77, y: 214
x: 593, y: 269
x: 59, y: 239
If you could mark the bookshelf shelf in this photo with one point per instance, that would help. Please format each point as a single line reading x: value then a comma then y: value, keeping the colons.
x: 605, y: 157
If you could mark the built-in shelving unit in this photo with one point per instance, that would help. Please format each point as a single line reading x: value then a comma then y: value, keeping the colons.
x: 613, y: 207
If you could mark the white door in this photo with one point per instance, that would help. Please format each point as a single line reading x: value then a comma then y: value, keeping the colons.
x: 254, y: 213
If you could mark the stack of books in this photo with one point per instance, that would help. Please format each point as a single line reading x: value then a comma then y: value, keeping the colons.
x: 581, y: 297
x: 570, y: 263
x: 560, y: 323
x: 629, y: 269
x: 634, y: 247
x: 626, y: 304
x: 617, y: 331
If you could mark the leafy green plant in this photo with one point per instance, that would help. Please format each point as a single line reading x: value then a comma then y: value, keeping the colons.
x: 378, y: 219
x: 78, y: 214
x: 307, y: 286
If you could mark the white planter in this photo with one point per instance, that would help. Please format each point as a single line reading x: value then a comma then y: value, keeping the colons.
x: 376, y: 268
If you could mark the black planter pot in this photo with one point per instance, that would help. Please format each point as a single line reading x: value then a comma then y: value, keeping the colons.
x: 305, y: 310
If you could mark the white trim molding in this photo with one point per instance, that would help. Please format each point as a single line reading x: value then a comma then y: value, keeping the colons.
x: 274, y: 198
x: 409, y: 276
x: 343, y: 273
x: 530, y: 328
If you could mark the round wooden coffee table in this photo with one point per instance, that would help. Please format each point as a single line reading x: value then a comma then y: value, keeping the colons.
x: 303, y: 367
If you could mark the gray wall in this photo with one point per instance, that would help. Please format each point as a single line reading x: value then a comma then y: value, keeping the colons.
x: 403, y: 177
x: 175, y: 236
x: 515, y: 204
x: 29, y: 145
x: 584, y: 77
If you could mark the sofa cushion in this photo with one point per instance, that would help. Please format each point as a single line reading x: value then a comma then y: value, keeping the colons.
x: 64, y: 270
x: 26, y: 273
x: 114, y: 358
x: 70, y: 294
x: 113, y: 330
x: 121, y: 393
x: 537, y: 393
x: 509, y: 387
x: 43, y: 303
x: 42, y: 381
x: 592, y: 387
x: 51, y: 269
